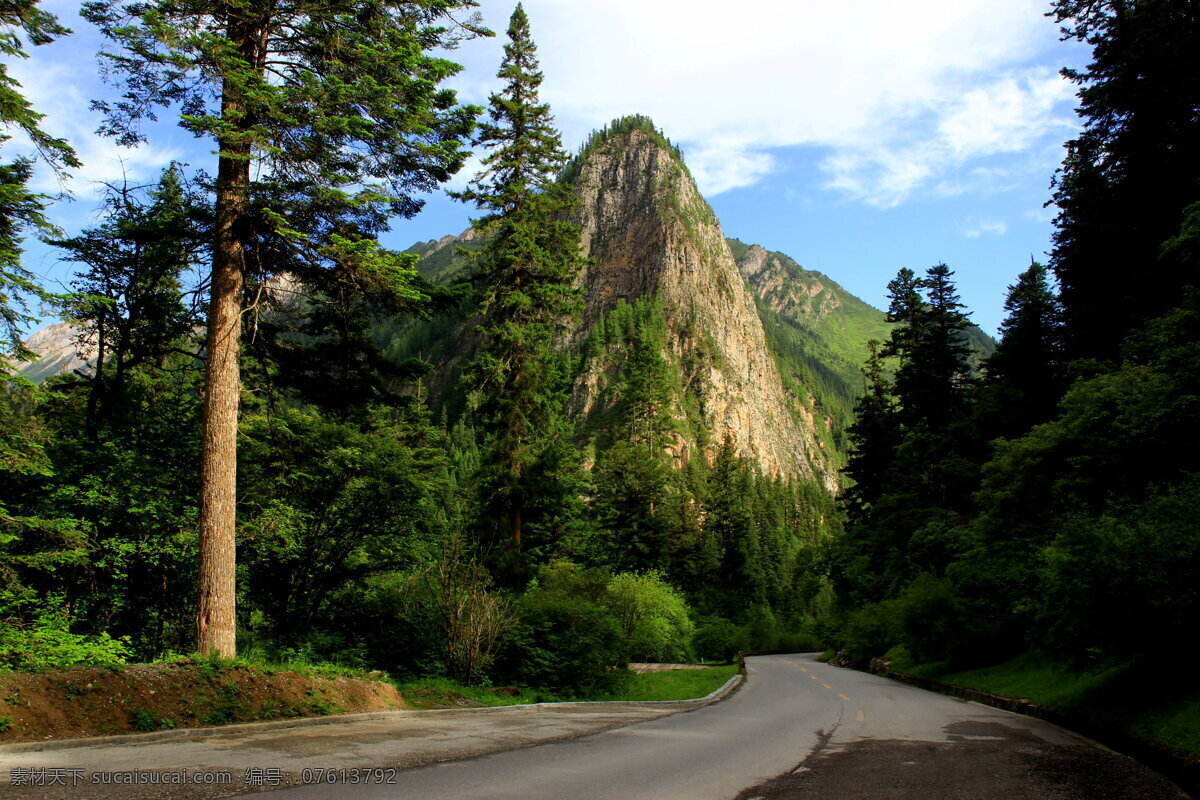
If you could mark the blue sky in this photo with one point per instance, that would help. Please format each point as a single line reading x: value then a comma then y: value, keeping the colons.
x: 858, y: 137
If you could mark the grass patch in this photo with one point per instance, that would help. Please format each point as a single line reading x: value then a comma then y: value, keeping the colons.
x: 1028, y: 677
x: 676, y: 684
x: 680, y: 684
x: 211, y: 666
x: 446, y: 693
x: 1153, y: 704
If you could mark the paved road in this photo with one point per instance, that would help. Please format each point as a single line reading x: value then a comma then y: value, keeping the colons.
x: 797, y: 728
x: 220, y: 766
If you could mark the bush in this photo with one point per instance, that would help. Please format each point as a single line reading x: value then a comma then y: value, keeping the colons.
x: 653, y: 616
x: 567, y: 639
x: 930, y: 618
x: 718, y: 639
x: 871, y: 631
x: 1124, y: 583
x: 48, y: 644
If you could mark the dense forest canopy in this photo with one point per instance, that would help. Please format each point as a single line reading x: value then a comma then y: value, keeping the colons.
x: 292, y: 442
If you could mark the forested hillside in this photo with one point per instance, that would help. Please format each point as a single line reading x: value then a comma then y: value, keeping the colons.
x: 530, y: 453
x: 1045, y: 510
x: 591, y: 429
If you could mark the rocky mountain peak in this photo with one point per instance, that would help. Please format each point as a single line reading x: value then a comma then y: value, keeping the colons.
x: 649, y: 233
x: 754, y: 261
x: 60, y: 348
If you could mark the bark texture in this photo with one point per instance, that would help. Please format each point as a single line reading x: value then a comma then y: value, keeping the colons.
x: 217, y: 607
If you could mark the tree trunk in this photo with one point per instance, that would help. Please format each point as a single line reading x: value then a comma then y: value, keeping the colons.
x: 216, y: 610
x: 516, y: 529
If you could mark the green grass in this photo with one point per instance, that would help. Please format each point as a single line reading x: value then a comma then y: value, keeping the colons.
x: 1156, y: 705
x: 446, y: 693
x: 677, y: 684
x: 680, y: 684
x: 211, y: 666
x: 1028, y: 677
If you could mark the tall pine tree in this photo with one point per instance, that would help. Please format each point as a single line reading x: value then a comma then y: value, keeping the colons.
x: 1023, y: 378
x: 526, y: 277
x: 1132, y: 170
x: 339, y: 102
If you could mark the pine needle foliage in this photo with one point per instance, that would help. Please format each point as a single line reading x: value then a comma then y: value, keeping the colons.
x: 20, y: 208
x: 525, y: 276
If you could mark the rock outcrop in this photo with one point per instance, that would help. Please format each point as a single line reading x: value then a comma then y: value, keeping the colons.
x: 648, y: 232
x: 60, y: 348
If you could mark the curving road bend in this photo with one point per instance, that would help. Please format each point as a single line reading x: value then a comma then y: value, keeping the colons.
x: 796, y: 729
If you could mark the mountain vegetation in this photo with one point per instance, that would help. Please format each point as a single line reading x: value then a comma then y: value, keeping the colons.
x: 1041, y: 513
x: 591, y: 429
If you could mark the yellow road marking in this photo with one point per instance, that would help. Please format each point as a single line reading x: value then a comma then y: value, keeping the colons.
x: 804, y: 669
x: 843, y: 697
x: 814, y: 677
x: 861, y: 716
x: 826, y: 685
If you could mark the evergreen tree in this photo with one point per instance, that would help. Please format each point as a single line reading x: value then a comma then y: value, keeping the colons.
x: 20, y: 208
x: 916, y: 452
x: 874, y: 437
x: 340, y: 104
x: 526, y: 275
x: 1022, y: 379
x: 129, y: 296
x: 930, y: 345
x: 647, y: 393
x: 1131, y: 171
x: 633, y: 490
x: 730, y: 519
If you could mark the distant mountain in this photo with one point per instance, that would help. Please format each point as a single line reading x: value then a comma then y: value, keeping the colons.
x: 818, y: 331
x: 60, y: 349
x: 656, y: 248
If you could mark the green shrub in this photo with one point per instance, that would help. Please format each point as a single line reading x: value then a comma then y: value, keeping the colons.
x: 566, y: 640
x: 871, y: 631
x: 143, y: 720
x: 930, y: 618
x: 1131, y: 569
x: 653, y: 616
x: 718, y: 639
x: 48, y: 644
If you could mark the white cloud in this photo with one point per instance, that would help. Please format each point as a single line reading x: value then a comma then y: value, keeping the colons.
x: 900, y: 98
x: 901, y: 94
x: 973, y: 229
x: 1006, y: 116
x: 719, y: 166
x: 55, y: 90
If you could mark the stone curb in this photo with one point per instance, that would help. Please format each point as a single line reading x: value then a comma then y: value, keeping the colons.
x: 180, y: 734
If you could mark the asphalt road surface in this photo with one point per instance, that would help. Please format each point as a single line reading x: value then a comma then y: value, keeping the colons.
x: 796, y: 729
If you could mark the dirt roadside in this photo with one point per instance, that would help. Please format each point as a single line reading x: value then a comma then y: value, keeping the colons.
x: 101, y: 701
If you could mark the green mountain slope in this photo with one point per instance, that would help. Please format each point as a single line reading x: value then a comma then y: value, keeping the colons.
x: 818, y: 331
x: 656, y: 248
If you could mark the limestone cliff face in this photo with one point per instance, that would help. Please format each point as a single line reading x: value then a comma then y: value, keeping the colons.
x: 648, y: 232
x: 785, y: 287
x: 60, y: 348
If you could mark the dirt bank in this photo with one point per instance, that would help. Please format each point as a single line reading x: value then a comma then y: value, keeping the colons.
x: 93, y: 701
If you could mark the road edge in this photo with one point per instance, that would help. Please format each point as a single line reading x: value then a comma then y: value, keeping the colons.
x: 183, y: 734
x: 1182, y: 770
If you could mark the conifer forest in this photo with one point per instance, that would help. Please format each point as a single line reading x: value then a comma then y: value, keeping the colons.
x: 590, y: 429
